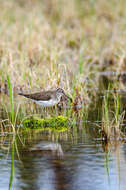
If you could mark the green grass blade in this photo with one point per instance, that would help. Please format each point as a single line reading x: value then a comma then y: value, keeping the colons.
x: 11, y: 98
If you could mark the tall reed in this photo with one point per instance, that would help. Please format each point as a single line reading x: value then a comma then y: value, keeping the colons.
x: 117, y: 107
x: 12, y: 119
x: 11, y: 98
x: 106, y: 109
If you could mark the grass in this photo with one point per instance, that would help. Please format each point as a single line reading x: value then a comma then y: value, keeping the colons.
x: 106, y: 109
x: 46, y: 44
x: 112, y: 119
x: 13, y: 112
x: 11, y: 98
x: 117, y: 106
x: 49, y: 45
x: 63, y: 43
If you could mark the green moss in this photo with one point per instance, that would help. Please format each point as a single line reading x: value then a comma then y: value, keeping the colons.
x: 59, y: 123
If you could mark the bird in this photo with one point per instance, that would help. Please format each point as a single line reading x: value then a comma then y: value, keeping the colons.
x: 47, y: 98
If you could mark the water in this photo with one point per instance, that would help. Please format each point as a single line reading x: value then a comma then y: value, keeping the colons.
x: 71, y: 160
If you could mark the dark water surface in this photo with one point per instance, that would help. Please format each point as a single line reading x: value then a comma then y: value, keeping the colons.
x: 67, y: 161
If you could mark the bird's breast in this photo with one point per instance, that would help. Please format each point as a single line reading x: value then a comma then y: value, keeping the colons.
x: 48, y: 103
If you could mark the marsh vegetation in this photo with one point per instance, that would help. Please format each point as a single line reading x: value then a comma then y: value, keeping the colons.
x: 75, y: 45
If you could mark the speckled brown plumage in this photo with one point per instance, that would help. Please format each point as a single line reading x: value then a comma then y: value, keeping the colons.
x: 45, y: 95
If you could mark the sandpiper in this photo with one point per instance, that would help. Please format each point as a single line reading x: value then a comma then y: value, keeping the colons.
x: 47, y: 98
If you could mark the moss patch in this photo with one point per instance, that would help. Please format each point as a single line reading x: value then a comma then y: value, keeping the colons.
x: 59, y: 123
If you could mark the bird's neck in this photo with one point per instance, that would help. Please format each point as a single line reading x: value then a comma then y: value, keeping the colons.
x: 59, y: 97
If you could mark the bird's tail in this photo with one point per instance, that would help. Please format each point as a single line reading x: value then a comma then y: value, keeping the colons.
x: 25, y: 95
x: 22, y: 94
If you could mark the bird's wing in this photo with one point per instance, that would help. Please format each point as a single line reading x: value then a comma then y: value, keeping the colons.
x: 37, y: 96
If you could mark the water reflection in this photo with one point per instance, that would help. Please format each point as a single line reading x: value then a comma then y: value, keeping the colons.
x: 43, y: 147
x: 78, y: 161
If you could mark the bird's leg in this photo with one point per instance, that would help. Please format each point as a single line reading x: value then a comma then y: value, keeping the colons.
x: 45, y: 112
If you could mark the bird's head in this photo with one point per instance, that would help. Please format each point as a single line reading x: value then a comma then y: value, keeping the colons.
x: 61, y: 93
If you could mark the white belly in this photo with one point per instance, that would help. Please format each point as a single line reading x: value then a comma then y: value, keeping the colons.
x: 47, y: 103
